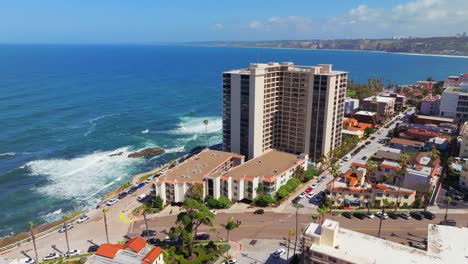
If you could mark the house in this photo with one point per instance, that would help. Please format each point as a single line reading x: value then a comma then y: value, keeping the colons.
x: 422, y: 134
x: 385, y: 169
x: 366, y: 117
x: 438, y: 142
x: 425, y: 84
x: 421, y: 177
x: 430, y: 105
x: 355, y: 177
x: 352, y: 126
x: 435, y: 120
x: 387, y: 154
x: 406, y: 144
x: 134, y: 251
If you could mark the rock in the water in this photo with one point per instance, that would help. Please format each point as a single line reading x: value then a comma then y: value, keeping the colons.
x: 116, y: 154
x: 147, y: 152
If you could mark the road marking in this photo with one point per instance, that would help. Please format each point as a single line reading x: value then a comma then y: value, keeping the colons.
x: 124, y: 219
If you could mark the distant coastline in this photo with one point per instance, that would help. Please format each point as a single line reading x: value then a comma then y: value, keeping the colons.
x: 344, y: 50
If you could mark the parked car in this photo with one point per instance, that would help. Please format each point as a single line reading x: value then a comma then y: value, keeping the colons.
x: 148, y: 233
x: 341, y: 163
x: 416, y: 215
x: 132, y: 190
x: 74, y: 252
x: 417, y: 245
x: 51, y: 256
x: 379, y: 215
x: 319, y: 198
x: 82, y: 219
x: 347, y: 157
x: 347, y: 215
x: 302, y: 194
x: 122, y: 195
x: 141, y: 197
x: 313, y: 185
x: 428, y: 215
x: 448, y: 222
x: 68, y: 227
x: 393, y: 215
x: 149, y: 179
x: 231, y: 261
x: 372, y: 138
x: 359, y: 215
x: 296, y: 200
x: 202, y: 236
x: 310, y: 195
x: 364, y: 158
x: 405, y: 216
x: 308, y: 190
x: 93, y: 249
x: 154, y: 241
x: 369, y: 215
x: 259, y: 211
x: 112, y: 201
x: 279, y: 252
x: 27, y: 261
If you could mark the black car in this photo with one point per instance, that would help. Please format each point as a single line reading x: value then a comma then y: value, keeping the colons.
x: 93, y: 249
x: 147, y: 233
x: 154, y: 241
x: 347, y: 215
x: 259, y: 211
x: 416, y: 215
x: 428, y: 215
x: 368, y: 142
x: 372, y: 138
x: 122, y: 195
x: 202, y: 236
x: 359, y: 215
x: 132, y: 190
x: 393, y: 215
x: 364, y: 158
x: 296, y: 200
x: 448, y: 222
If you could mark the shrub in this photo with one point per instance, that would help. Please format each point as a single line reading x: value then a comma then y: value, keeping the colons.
x: 224, y: 202
x: 83, y: 260
x: 158, y: 202
x: 221, y: 203
x: 264, y: 200
x: 286, y: 189
x: 310, y: 173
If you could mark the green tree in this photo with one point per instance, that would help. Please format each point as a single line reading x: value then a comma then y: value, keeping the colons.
x: 205, y: 122
x: 322, y: 211
x: 264, y: 200
x: 31, y: 225
x: 400, y: 176
x: 299, y: 173
x: 310, y: 174
x: 335, y: 172
x: 189, y: 221
x: 196, y: 192
x: 449, y: 200
x: 104, y: 212
x: 229, y: 226
x: 158, y: 202
x: 224, y: 201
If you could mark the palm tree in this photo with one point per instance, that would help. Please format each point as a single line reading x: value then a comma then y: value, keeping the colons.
x: 449, y: 200
x: 335, y: 172
x: 65, y: 219
x: 104, y: 211
x: 229, y: 226
x: 322, y: 211
x: 146, y: 208
x: 31, y: 224
x: 297, y: 223
x: 205, y: 122
x: 385, y: 203
x: 290, y: 233
x: 401, y: 174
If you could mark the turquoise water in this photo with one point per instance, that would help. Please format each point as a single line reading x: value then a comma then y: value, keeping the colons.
x: 64, y: 109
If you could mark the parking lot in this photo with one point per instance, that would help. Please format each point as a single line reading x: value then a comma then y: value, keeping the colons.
x: 311, y: 202
x: 261, y: 251
x: 456, y: 203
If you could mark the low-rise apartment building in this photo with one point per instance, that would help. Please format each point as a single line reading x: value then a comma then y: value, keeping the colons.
x: 420, y: 177
x: 385, y: 169
x: 434, y: 120
x: 366, y: 117
x: 400, y: 100
x: 134, y: 251
x: 430, y: 105
x: 270, y: 171
x: 454, y: 102
x: 329, y: 243
x: 383, y: 106
x: 406, y: 144
x: 456, y: 80
x: 174, y: 185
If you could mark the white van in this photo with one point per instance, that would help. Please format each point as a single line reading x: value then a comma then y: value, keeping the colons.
x: 141, y: 197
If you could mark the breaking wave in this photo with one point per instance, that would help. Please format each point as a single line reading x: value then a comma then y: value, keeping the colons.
x: 194, y: 125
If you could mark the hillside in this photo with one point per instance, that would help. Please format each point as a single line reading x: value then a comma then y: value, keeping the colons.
x: 435, y: 45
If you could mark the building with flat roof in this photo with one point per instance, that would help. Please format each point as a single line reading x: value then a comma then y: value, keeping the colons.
x: 383, y: 106
x: 351, y: 105
x: 400, y: 100
x: 420, y: 177
x: 435, y: 120
x: 270, y: 170
x: 430, y: 105
x: 454, y: 102
x: 291, y: 108
x: 387, y: 154
x: 174, y: 185
x: 386, y: 167
x: 134, y: 251
x: 456, y: 80
x: 366, y: 117
x: 464, y: 141
x: 330, y: 243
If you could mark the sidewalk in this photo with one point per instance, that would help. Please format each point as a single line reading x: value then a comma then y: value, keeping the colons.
x: 236, y: 249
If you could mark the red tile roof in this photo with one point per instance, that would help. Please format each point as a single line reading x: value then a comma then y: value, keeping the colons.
x: 109, y: 250
x: 152, y: 255
x: 387, y: 166
x: 136, y: 244
x: 356, y: 164
x: 389, y: 190
x: 423, y: 132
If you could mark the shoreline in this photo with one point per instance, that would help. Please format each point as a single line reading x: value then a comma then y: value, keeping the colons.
x: 344, y: 50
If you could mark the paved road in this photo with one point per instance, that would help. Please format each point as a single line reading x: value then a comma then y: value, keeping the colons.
x: 441, y: 201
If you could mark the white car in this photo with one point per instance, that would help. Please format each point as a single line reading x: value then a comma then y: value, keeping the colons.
x: 214, y: 212
x: 341, y: 163
x: 303, y: 194
x: 279, y: 252
x: 149, y: 179
x: 82, y: 219
x: 347, y: 157
x: 231, y: 261
x: 141, y: 197
x: 369, y: 215
x: 51, y: 256
x: 313, y: 185
x: 27, y: 261
x: 112, y: 201
x: 379, y: 215
x: 310, y: 195
x: 71, y: 253
x: 68, y: 227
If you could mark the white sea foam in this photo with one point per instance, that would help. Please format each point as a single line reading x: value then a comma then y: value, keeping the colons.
x: 83, y: 178
x: 194, y: 125
x: 146, y: 131
x: 93, y: 123
x: 174, y: 150
x: 8, y: 154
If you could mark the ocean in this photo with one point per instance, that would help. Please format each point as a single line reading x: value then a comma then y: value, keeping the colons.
x: 65, y: 108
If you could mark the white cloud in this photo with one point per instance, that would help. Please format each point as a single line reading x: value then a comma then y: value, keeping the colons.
x: 218, y: 27
x: 255, y: 24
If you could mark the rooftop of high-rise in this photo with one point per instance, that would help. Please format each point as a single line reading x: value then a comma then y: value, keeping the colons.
x: 322, y: 69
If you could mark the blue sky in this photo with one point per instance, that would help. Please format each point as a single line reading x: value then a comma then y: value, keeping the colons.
x: 150, y: 21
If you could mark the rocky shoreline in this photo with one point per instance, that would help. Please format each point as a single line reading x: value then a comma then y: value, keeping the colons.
x: 146, y: 153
